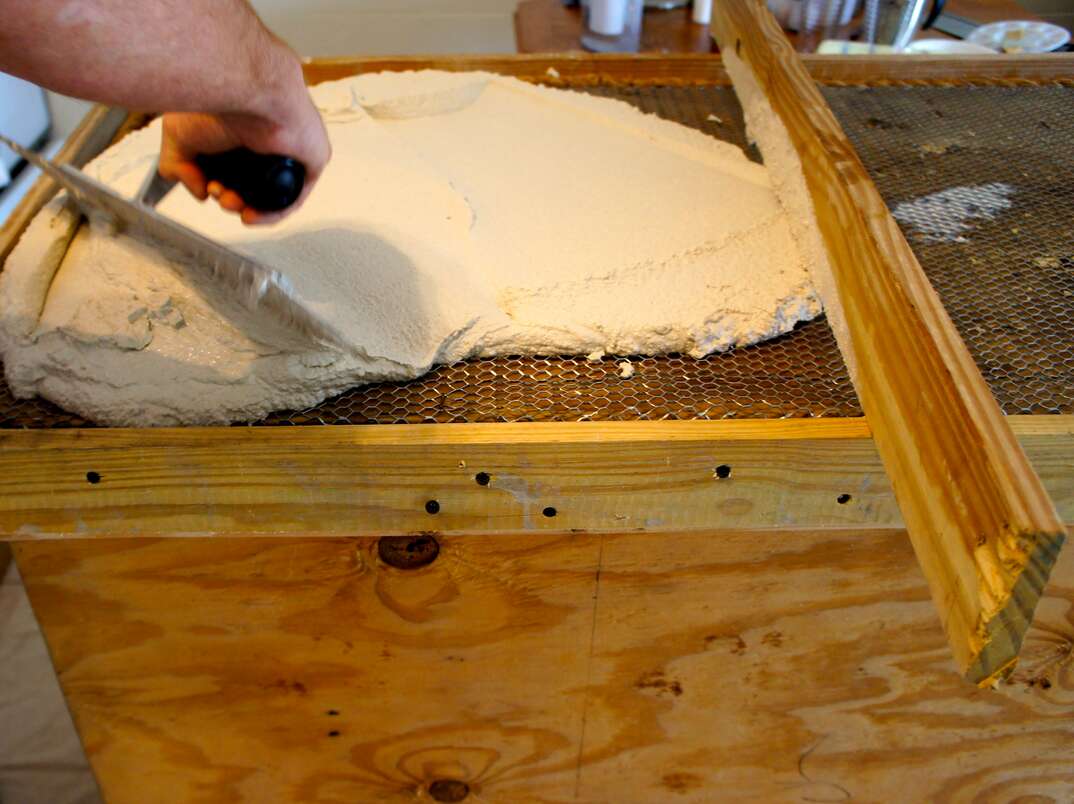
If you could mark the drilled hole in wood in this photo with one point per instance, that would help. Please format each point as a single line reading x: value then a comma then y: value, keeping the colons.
x: 550, y: 512
x: 723, y: 471
x: 333, y: 733
x: 482, y: 478
x: 408, y: 552
x: 843, y: 499
x: 432, y: 507
x: 332, y: 712
x: 448, y: 790
x: 93, y: 477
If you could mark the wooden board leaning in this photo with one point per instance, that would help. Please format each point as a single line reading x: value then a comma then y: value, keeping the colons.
x: 985, y: 532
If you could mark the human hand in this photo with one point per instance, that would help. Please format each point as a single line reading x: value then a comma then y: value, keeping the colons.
x: 289, y: 125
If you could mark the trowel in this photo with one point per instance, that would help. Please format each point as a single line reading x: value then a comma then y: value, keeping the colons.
x: 265, y: 182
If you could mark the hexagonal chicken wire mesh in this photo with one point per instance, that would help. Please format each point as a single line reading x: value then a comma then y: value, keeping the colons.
x: 799, y: 374
x: 982, y: 276
x: 981, y: 180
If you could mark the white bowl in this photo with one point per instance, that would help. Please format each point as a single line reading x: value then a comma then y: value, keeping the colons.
x: 1020, y: 36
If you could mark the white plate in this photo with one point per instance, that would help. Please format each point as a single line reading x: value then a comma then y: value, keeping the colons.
x: 1020, y: 36
x: 947, y: 47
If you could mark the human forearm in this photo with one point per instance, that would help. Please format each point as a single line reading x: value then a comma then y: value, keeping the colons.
x: 176, y: 55
x: 224, y: 80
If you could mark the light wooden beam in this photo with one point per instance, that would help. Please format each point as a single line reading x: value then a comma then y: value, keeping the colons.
x: 983, y: 528
x: 679, y: 68
x: 657, y: 477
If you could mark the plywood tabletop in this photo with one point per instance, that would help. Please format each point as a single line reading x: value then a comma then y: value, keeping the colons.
x: 785, y: 666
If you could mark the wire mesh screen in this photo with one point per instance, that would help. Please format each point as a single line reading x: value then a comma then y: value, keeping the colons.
x: 797, y: 375
x: 981, y: 180
x: 1001, y: 258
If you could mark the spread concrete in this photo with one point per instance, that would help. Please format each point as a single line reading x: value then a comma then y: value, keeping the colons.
x: 462, y: 215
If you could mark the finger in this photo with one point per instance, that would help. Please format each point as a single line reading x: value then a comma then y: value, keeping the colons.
x: 252, y: 217
x: 215, y: 188
x: 255, y: 217
x: 190, y: 176
x: 231, y: 201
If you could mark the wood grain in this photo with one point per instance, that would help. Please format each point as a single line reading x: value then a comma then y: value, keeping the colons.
x: 681, y: 68
x: 575, y: 68
x: 952, y: 70
x: 985, y: 532
x: 362, y: 480
x: 636, y: 667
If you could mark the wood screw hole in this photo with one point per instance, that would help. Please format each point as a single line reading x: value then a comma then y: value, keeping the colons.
x: 332, y: 712
x: 407, y: 552
x: 432, y: 507
x: 93, y: 477
x: 550, y: 512
x: 448, y: 790
x: 843, y: 499
x: 333, y: 733
x: 482, y: 478
x: 723, y: 471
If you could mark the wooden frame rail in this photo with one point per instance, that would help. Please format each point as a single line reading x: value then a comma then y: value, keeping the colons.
x: 571, y: 478
x: 984, y: 530
x: 676, y: 68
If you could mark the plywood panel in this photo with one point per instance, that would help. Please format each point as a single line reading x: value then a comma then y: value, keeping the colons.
x: 787, y: 666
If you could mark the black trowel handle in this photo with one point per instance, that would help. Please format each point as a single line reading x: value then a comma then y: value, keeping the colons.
x: 266, y: 182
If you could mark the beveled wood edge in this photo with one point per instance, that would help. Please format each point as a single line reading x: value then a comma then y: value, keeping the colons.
x: 579, y: 432
x: 588, y: 432
x: 653, y: 68
x: 945, y: 70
